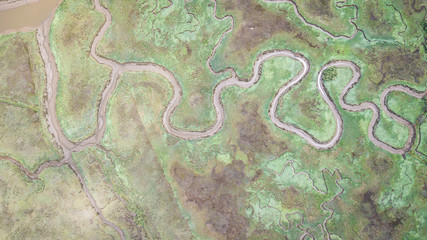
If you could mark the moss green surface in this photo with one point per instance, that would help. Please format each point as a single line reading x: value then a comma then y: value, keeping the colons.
x: 251, y: 180
x: 23, y: 129
x: 189, y: 44
x: 81, y: 79
x: 49, y: 208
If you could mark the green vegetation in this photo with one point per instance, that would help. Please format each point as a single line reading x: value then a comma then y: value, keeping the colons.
x: 381, y: 20
x: 185, y: 50
x: 303, y: 106
x: 422, y: 147
x: 141, y: 180
x: 49, y: 208
x: 406, y: 106
x: 424, y: 26
x: 81, y: 79
x: 251, y: 180
x: 329, y: 14
x: 115, y: 208
x: 329, y: 74
x: 23, y: 129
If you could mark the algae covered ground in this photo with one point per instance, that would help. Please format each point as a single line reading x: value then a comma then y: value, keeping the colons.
x: 128, y: 69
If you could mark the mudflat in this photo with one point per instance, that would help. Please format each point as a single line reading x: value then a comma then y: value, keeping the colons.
x: 16, y: 17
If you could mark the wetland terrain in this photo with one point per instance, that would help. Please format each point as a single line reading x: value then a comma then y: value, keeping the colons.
x: 213, y: 119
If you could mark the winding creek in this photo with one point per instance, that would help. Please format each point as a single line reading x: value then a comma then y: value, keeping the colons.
x: 69, y: 147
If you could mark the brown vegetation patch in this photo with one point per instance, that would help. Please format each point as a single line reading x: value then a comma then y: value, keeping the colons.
x: 81, y: 91
x: 254, y: 135
x: 220, y: 194
x: 320, y: 8
x: 377, y: 23
x: 16, y: 70
x: 380, y: 164
x: 257, y: 25
x: 424, y: 191
x: 309, y: 107
x: 290, y: 196
x: 378, y: 19
x: 379, y: 226
x: 264, y: 234
x: 397, y: 63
